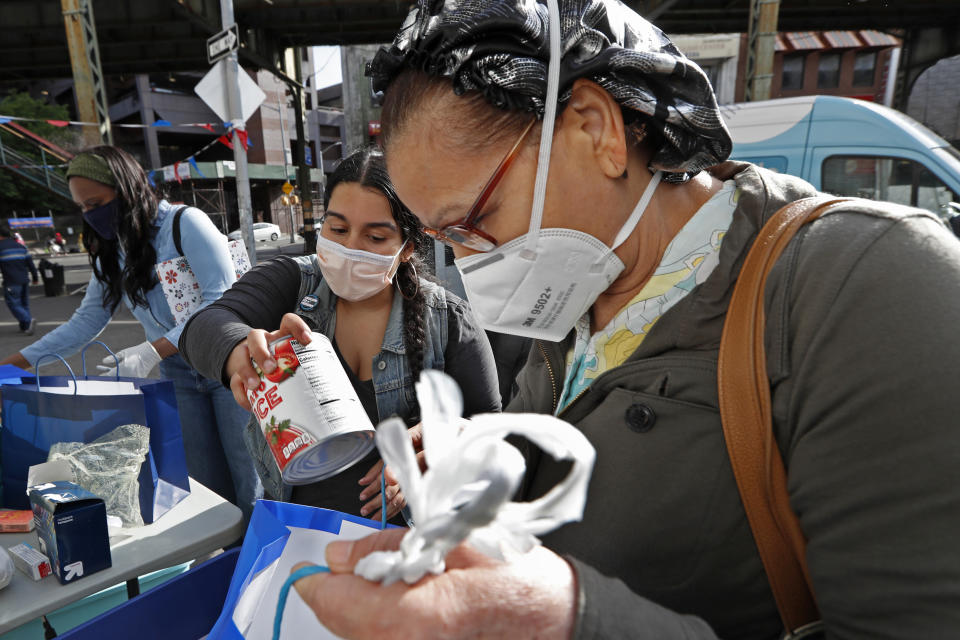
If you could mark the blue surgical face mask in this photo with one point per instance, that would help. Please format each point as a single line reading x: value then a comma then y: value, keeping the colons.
x: 104, y: 219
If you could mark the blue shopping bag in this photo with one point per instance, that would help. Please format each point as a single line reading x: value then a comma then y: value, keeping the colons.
x: 267, y: 535
x: 148, y: 616
x: 35, y: 417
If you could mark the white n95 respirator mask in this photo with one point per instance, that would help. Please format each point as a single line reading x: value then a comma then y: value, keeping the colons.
x: 540, y: 284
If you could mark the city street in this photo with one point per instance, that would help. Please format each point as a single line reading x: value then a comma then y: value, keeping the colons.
x: 123, y: 331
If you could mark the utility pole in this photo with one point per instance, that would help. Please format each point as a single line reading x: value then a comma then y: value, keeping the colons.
x: 358, y: 109
x: 303, y: 170
x: 761, y: 44
x: 231, y: 85
x: 88, y: 82
x: 282, y: 109
x: 354, y: 114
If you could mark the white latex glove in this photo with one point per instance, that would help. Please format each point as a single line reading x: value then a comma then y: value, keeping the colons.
x: 135, y: 362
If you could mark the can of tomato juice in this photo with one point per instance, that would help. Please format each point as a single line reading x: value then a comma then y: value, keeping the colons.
x: 309, y: 412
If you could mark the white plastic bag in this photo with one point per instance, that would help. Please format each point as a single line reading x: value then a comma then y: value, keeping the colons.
x: 109, y: 467
x: 472, y: 475
x: 6, y: 568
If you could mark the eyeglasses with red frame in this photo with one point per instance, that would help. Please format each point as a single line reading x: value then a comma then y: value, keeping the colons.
x: 464, y: 233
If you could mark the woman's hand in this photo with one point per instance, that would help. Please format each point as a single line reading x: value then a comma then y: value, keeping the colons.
x: 529, y: 595
x: 17, y: 360
x: 239, y: 368
x: 395, y: 498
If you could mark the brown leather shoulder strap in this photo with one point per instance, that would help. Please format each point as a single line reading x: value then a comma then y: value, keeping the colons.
x: 747, y: 422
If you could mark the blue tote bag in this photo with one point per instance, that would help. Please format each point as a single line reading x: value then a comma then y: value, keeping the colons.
x: 42, y: 410
x: 267, y: 536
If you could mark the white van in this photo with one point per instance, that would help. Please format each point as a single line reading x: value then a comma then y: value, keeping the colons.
x: 849, y: 147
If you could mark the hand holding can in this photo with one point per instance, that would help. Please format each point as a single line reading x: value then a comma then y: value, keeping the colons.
x: 308, y: 411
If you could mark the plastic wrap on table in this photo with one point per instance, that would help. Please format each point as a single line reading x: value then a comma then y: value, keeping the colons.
x: 6, y: 568
x: 109, y: 467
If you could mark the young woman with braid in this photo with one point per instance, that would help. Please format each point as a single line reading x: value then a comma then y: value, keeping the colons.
x: 363, y: 291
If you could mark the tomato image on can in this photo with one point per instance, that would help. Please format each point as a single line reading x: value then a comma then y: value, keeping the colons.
x: 309, y: 413
x: 287, y: 362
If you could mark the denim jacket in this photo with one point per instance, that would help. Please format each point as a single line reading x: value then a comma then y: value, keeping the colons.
x: 392, y: 381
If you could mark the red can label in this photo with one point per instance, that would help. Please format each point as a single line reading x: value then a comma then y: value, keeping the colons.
x: 309, y: 413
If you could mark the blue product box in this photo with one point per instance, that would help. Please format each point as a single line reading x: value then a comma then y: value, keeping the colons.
x: 72, y: 525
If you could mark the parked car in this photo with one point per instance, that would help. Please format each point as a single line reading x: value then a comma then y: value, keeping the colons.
x: 262, y: 231
x: 849, y: 147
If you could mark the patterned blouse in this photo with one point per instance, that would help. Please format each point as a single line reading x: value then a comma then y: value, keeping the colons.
x: 690, y: 257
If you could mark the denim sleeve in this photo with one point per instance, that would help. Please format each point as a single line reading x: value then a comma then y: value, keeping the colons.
x: 206, y: 250
x: 469, y: 360
x: 84, y: 325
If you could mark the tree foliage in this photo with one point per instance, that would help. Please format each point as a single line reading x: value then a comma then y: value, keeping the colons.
x: 16, y: 192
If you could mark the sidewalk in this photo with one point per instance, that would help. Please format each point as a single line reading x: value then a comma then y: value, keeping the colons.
x: 40, y: 250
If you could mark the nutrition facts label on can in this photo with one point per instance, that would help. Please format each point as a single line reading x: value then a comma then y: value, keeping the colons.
x: 330, y: 385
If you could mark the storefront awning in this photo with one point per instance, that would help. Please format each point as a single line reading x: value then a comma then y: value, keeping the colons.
x: 878, y: 39
x: 842, y: 39
x: 803, y: 40
x: 810, y: 40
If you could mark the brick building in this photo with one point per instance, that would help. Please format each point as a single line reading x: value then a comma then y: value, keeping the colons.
x: 856, y: 64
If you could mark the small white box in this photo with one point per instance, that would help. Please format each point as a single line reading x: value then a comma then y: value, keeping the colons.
x: 30, y: 561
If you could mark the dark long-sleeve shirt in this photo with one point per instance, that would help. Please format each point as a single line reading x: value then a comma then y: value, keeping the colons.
x: 263, y: 295
x: 16, y: 265
x: 273, y: 288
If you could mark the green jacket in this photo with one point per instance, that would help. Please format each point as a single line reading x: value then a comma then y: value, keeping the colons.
x: 862, y: 314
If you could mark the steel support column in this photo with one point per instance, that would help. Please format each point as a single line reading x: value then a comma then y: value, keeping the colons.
x: 304, y: 183
x: 145, y: 95
x: 761, y: 44
x: 88, y: 81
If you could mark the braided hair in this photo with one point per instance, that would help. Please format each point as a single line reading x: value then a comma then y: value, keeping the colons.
x: 367, y: 168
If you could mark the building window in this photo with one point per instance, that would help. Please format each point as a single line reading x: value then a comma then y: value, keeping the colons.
x: 864, y: 67
x: 792, y: 72
x: 712, y: 70
x: 828, y: 73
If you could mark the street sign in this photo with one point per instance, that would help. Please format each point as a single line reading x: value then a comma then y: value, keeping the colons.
x: 287, y: 188
x: 210, y: 89
x: 220, y: 45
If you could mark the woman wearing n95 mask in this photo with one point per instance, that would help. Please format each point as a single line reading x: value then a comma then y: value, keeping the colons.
x: 363, y: 291
x: 573, y: 158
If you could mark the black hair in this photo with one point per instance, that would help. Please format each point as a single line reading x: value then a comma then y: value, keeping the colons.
x: 367, y: 168
x: 475, y: 123
x: 138, y: 210
x: 5, y: 230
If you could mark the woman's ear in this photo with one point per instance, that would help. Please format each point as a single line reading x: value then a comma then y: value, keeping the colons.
x: 595, y: 119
